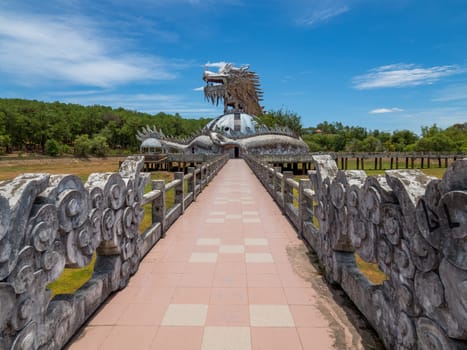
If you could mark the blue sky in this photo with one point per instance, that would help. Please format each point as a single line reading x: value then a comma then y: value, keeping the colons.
x: 380, y: 64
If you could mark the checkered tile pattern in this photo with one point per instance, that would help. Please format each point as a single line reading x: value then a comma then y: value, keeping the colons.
x: 221, y: 279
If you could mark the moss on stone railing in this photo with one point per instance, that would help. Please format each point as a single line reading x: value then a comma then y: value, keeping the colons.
x: 49, y: 222
x: 414, y: 227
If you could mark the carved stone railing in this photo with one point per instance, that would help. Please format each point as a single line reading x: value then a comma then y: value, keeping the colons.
x: 49, y: 222
x: 413, y: 226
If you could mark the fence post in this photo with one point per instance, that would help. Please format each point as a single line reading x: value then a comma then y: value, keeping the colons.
x: 303, y: 213
x: 213, y: 167
x: 270, y: 181
x: 199, y: 181
x: 180, y: 190
x: 158, y: 205
x: 287, y: 189
x: 313, y: 176
x: 192, y: 182
x: 203, y: 177
x: 276, y: 184
x: 210, y: 172
x: 265, y: 174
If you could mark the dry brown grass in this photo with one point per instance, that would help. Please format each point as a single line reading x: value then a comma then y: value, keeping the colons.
x: 12, y: 167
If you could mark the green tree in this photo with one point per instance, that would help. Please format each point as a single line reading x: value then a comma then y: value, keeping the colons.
x: 356, y: 132
x: 402, y: 138
x: 82, y: 145
x: 371, y: 144
x: 458, y: 133
x: 52, y: 147
x: 430, y: 131
x: 5, y: 142
x: 437, y: 143
x: 383, y: 136
x: 463, y: 147
x: 99, y: 146
x: 354, y: 146
x: 282, y: 118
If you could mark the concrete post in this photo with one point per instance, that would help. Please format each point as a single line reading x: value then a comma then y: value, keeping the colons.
x: 192, y: 182
x: 180, y: 189
x: 203, y: 176
x: 304, y: 214
x: 158, y: 205
x: 199, y: 178
x: 287, y: 189
x: 276, y: 184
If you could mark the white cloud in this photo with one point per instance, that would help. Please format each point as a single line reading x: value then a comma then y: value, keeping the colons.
x: 385, y: 110
x: 320, y: 15
x: 402, y: 75
x: 36, y: 49
x: 201, y: 88
x: 219, y: 65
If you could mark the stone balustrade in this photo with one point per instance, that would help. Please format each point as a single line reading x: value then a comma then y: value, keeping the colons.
x: 414, y: 227
x: 49, y: 222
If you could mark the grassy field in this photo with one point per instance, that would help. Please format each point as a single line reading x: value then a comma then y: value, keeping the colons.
x: 436, y: 172
x: 386, y: 165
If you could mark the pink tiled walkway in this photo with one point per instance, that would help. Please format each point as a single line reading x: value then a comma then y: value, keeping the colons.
x: 221, y: 279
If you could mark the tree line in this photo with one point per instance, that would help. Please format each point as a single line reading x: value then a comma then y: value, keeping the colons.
x: 337, y: 137
x: 59, y: 128
x: 340, y: 138
x: 56, y: 128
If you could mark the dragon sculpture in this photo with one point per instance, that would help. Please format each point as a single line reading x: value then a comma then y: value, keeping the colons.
x: 263, y: 141
x: 239, y: 88
x: 237, y: 129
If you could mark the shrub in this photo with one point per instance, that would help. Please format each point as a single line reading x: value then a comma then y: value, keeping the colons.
x: 99, y: 146
x: 82, y: 146
x: 66, y: 149
x: 437, y: 143
x: 53, y: 148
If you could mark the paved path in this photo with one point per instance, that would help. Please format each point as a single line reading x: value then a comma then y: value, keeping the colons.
x: 221, y: 279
